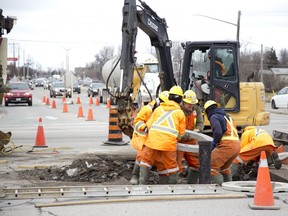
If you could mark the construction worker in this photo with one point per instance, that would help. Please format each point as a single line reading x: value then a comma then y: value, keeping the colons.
x: 194, y: 122
x: 225, y: 145
x: 140, y: 135
x: 166, y: 127
x: 253, y: 142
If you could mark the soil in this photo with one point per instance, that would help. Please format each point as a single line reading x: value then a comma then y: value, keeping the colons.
x: 89, y: 170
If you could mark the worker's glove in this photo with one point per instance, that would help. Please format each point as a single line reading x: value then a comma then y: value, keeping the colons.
x: 196, y: 130
x: 185, y: 138
x: 212, y: 145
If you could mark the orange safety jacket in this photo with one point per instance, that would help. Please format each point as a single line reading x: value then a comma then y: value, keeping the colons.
x: 166, y: 126
x: 255, y: 138
x: 139, y: 136
x: 222, y: 67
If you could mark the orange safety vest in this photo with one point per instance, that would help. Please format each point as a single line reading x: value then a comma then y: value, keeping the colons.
x: 255, y: 138
x: 139, y: 136
x: 231, y: 132
x: 191, y: 120
x: 222, y: 67
x: 166, y: 127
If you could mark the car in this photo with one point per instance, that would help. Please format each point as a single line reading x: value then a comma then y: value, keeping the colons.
x: 19, y: 92
x: 39, y: 82
x: 280, y: 99
x: 58, y: 89
x: 76, y: 87
x: 95, y: 89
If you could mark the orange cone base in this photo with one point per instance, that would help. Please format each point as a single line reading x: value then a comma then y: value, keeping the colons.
x: 274, y: 207
x: 40, y: 146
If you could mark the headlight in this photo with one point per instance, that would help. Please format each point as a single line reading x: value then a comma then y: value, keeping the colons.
x: 27, y: 93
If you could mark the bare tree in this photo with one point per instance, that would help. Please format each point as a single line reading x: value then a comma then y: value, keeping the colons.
x: 283, y: 57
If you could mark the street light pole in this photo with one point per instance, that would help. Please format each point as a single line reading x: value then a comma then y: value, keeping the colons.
x: 230, y: 23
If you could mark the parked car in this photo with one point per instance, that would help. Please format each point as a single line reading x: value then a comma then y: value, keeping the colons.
x: 95, y: 89
x: 280, y: 99
x: 19, y: 93
x: 76, y: 87
x: 58, y: 89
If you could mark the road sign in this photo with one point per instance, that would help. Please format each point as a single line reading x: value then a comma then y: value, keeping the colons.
x: 12, y: 59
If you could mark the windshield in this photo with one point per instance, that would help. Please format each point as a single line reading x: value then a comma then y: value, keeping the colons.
x: 98, y: 85
x: 59, y: 84
x: 19, y: 86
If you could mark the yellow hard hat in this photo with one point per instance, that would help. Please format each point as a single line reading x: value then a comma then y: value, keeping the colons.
x: 209, y: 103
x: 190, y: 97
x: 164, y: 96
x: 176, y: 90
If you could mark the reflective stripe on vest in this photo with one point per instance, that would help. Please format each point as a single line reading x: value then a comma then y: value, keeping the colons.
x: 140, y: 123
x: 257, y: 133
x: 137, y: 126
x: 167, y: 116
x: 234, y: 134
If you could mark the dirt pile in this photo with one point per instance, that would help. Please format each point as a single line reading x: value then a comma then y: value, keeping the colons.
x: 91, y: 169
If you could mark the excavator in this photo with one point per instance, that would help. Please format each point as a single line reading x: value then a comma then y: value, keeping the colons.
x: 244, y: 102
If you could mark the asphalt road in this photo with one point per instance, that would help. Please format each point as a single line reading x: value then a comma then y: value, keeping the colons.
x: 72, y: 137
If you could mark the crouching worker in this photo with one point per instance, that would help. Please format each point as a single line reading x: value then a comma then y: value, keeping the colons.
x: 225, y: 146
x: 253, y: 141
x: 140, y: 132
x: 166, y: 127
x: 194, y: 122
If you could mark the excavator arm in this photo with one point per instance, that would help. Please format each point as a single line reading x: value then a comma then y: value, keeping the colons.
x: 143, y: 17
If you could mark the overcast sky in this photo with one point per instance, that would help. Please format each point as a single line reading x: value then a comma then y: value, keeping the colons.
x: 46, y: 29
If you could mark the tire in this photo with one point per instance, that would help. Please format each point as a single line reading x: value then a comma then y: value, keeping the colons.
x: 30, y: 103
x: 273, y: 105
x: 6, y: 103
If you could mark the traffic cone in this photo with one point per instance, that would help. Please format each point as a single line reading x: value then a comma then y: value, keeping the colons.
x: 97, y: 103
x: 44, y: 99
x: 108, y: 103
x: 115, y: 133
x: 40, y: 137
x: 91, y: 101
x: 65, y: 108
x: 63, y: 99
x: 78, y: 100
x: 263, y: 198
x: 80, y: 112
x: 90, y: 115
x: 53, y: 104
x: 47, y: 102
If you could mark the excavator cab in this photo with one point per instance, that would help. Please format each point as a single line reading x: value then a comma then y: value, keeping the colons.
x: 210, y: 69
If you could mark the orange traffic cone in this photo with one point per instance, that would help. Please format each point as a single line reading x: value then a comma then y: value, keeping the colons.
x: 80, y: 112
x: 78, y: 100
x: 44, y: 99
x: 263, y: 198
x: 90, y: 115
x: 108, y: 103
x: 115, y: 133
x: 47, y: 102
x: 65, y: 108
x: 53, y: 104
x: 91, y: 101
x: 40, y: 137
x: 63, y: 99
x: 97, y: 103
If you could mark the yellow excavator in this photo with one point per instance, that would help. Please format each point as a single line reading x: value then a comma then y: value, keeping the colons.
x: 244, y: 102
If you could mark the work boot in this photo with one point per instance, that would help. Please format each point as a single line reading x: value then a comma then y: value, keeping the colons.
x: 227, y: 177
x: 163, y: 179
x: 135, y: 175
x: 173, y: 178
x: 234, y: 170
x: 143, y: 175
x: 217, y: 179
x: 276, y: 160
x: 192, y: 177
